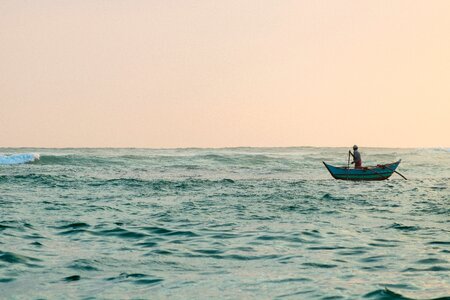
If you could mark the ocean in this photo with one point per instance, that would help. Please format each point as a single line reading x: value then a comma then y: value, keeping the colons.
x: 233, y: 223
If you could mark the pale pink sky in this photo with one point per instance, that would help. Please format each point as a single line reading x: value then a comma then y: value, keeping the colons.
x: 224, y: 73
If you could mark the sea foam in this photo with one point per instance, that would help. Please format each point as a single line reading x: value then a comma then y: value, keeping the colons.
x: 15, y: 159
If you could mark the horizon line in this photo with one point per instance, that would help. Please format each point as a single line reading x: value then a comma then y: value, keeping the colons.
x: 225, y: 147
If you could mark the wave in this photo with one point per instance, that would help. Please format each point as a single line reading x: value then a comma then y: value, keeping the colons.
x: 62, y: 180
x: 385, y: 294
x: 75, y: 160
x: 16, y: 159
x: 159, y: 184
x: 43, y: 179
x: 188, y: 161
x: 15, y: 258
x: 137, y: 278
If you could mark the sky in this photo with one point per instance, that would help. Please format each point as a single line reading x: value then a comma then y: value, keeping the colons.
x: 205, y: 73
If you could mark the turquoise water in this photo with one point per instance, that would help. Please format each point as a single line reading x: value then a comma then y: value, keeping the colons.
x: 236, y: 223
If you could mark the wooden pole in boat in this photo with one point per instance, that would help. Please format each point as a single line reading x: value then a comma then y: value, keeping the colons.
x: 400, y: 174
x: 348, y: 163
x: 396, y: 172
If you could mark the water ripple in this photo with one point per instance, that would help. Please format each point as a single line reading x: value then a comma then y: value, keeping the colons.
x: 235, y: 223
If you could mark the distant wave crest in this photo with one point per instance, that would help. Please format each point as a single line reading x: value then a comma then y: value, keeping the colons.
x: 18, y: 158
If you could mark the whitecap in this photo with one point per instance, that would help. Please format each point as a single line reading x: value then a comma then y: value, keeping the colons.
x: 15, y: 159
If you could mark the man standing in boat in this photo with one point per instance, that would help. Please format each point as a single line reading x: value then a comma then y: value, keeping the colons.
x: 356, y: 157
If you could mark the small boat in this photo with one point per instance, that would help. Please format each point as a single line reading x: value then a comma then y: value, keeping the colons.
x: 378, y: 172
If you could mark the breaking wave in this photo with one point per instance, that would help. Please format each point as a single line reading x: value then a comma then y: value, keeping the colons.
x: 16, y: 159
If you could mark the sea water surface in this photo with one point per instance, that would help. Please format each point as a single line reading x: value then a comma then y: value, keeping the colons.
x: 256, y: 223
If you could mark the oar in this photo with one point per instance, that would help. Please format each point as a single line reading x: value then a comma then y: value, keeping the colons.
x: 348, y: 163
x: 395, y: 172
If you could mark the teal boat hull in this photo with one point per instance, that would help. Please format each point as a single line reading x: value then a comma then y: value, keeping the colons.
x: 378, y: 172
